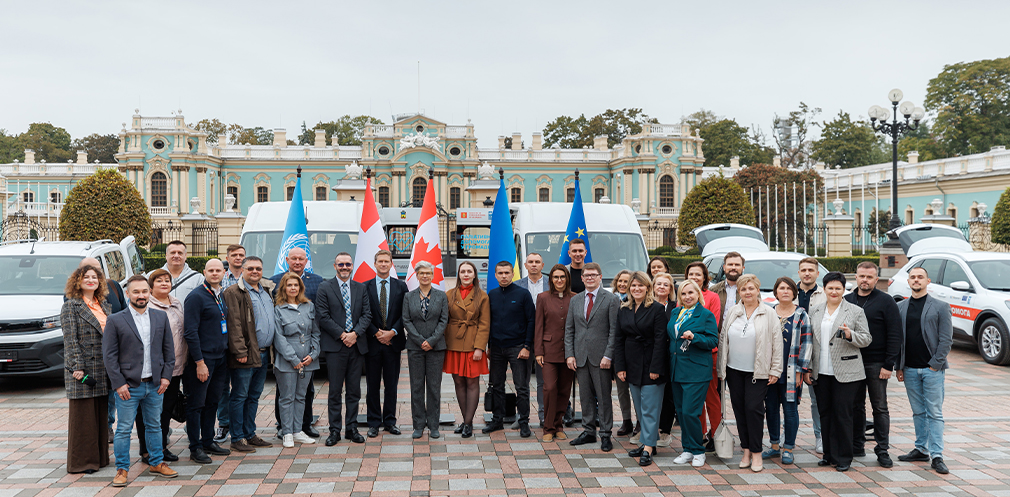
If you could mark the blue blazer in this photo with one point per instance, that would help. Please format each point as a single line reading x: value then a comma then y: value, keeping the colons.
x: 694, y: 365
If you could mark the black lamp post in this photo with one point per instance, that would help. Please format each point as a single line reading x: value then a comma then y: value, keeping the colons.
x: 895, y: 128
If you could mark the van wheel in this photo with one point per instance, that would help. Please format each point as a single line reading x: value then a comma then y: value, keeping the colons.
x: 994, y: 342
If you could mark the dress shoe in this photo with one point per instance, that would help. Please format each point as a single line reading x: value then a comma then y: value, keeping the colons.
x: 568, y: 419
x: 392, y: 429
x: 163, y: 471
x: 434, y: 434
x: 354, y: 436
x: 373, y: 431
x: 560, y: 435
x: 120, y: 479
x: 459, y: 429
x: 417, y: 434
x: 310, y: 431
x: 333, y: 438
x: 256, y: 441
x: 638, y: 427
x: 216, y: 450
x: 467, y: 430
x: 823, y: 462
x: 757, y: 464
x: 939, y: 466
x: 524, y: 430
x: 637, y: 451
x: 645, y: 460
x: 842, y: 468
x: 302, y: 438
x: 146, y: 459
x: 626, y: 428
x: 583, y: 438
x: 493, y: 427
x: 241, y: 445
x: 167, y: 455
x: 605, y: 444
x: 884, y: 460
x: 221, y: 434
x: 915, y: 455
x: 198, y: 455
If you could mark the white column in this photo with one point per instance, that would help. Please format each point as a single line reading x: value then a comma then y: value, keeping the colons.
x: 627, y: 187
x: 681, y: 188
x: 184, y: 201
x: 651, y: 181
x: 175, y: 190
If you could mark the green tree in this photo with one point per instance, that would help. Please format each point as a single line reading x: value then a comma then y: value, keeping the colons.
x: 847, y: 143
x: 726, y: 139
x: 347, y: 129
x: 11, y: 148
x: 213, y: 128
x: 567, y: 132
x: 252, y: 136
x: 700, y: 120
x: 791, y: 135
x: 1000, y: 225
x: 580, y: 132
x: 921, y: 140
x: 105, y: 205
x: 972, y: 105
x: 50, y: 143
x: 102, y: 148
x: 761, y: 181
x: 713, y: 200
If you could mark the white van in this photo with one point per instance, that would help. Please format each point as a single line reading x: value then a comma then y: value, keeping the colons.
x: 33, y: 275
x: 333, y: 228
x: 400, y: 225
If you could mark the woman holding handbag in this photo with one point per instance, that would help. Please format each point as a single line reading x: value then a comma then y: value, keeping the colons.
x: 693, y: 335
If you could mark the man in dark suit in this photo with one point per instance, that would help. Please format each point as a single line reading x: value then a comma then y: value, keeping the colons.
x: 343, y: 315
x: 139, y: 356
x: 386, y: 341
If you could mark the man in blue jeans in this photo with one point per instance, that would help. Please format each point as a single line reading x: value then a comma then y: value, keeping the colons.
x: 249, y: 342
x: 139, y: 356
x: 927, y: 338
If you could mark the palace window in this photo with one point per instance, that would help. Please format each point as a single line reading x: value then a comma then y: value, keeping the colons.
x: 666, y: 191
x: 262, y: 194
x: 159, y: 190
x: 516, y: 195
x: 597, y: 195
x: 321, y: 193
x: 55, y: 197
x: 384, y: 196
x: 289, y: 193
x: 570, y: 195
x: 417, y: 189
x: 454, y: 194
x: 233, y: 191
x: 544, y: 195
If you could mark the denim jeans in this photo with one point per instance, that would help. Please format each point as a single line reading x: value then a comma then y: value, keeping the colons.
x: 112, y: 407
x: 925, y: 397
x: 224, y: 407
x: 246, y: 388
x: 146, y: 398
x: 775, y: 399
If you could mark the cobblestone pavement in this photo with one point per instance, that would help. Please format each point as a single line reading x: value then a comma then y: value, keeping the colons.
x: 33, y: 454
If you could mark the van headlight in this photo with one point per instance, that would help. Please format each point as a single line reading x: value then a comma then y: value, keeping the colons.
x: 51, y: 322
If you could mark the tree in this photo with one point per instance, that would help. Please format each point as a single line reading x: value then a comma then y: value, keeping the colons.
x: 567, y: 132
x: 347, y: 129
x: 1000, y: 224
x: 785, y: 187
x: 213, y: 128
x: 791, y: 135
x: 581, y: 132
x: 50, y: 143
x: 700, y: 120
x: 10, y: 148
x: 714, y: 200
x: 102, y: 148
x: 921, y: 140
x: 848, y: 143
x: 105, y: 205
x: 252, y: 136
x: 972, y: 105
x: 726, y: 139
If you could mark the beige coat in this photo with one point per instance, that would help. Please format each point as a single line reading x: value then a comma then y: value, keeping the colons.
x: 768, y: 341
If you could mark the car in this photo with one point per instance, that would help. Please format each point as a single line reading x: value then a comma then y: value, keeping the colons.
x: 33, y: 275
x: 975, y: 284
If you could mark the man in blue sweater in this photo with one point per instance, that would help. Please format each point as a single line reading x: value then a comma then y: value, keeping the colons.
x: 206, y: 373
x: 509, y: 346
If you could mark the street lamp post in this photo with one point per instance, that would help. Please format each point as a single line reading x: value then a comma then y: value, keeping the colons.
x: 895, y: 128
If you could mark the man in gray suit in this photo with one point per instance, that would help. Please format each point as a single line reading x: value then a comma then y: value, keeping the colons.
x: 927, y: 334
x: 139, y: 355
x: 343, y: 314
x: 590, y: 334
x: 535, y: 283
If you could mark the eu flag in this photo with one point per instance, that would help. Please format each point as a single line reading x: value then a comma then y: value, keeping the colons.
x: 576, y: 227
x: 500, y: 245
x: 296, y: 233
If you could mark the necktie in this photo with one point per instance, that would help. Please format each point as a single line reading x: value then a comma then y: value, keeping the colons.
x: 382, y: 304
x: 589, y: 308
x: 346, y: 293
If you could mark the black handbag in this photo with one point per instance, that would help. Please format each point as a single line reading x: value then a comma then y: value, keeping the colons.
x: 179, y: 410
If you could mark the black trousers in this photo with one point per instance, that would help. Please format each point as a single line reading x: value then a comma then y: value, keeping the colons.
x: 501, y: 360
x: 343, y: 369
x: 877, y: 389
x: 201, y: 400
x: 747, y: 395
x: 168, y: 405
x: 669, y: 411
x: 382, y: 366
x: 835, y: 404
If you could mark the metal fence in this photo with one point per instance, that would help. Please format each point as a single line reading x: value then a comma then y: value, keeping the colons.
x: 868, y: 238
x: 204, y: 240
x: 816, y: 240
x: 661, y: 233
x: 980, y: 237
x: 164, y: 233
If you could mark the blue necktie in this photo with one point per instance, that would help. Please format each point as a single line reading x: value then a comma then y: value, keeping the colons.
x: 348, y: 326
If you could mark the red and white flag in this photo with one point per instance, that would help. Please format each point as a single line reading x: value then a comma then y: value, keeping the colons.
x: 371, y: 239
x: 426, y: 246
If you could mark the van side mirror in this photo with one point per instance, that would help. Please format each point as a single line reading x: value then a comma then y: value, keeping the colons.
x: 961, y: 286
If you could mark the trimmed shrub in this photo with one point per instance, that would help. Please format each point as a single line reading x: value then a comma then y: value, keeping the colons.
x: 1000, y: 226
x: 105, y: 205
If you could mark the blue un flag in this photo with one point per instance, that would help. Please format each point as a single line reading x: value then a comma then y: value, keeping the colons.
x: 296, y: 232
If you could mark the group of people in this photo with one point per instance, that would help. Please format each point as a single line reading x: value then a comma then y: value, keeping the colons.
x: 178, y: 340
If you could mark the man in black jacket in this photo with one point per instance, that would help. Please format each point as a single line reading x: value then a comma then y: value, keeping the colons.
x: 513, y: 317
x: 879, y: 359
x: 386, y: 342
x: 343, y: 315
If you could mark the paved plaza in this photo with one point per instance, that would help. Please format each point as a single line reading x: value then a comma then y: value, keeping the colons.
x: 977, y: 411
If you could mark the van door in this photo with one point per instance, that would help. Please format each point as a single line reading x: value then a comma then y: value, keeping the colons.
x: 130, y: 251
x: 115, y: 266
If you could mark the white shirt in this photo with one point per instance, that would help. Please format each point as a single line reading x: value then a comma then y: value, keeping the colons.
x: 730, y: 299
x: 826, y: 333
x: 742, y: 344
x: 585, y: 307
x: 143, y: 322
x: 536, y: 287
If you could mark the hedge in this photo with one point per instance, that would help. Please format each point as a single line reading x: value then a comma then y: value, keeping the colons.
x: 154, y: 261
x: 678, y: 263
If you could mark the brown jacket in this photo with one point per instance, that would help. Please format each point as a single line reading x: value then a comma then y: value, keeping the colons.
x: 242, y: 325
x: 549, y: 340
x: 469, y: 321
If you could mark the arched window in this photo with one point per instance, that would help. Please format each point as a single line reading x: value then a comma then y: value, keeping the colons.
x: 418, y: 187
x: 55, y: 197
x: 384, y: 196
x: 666, y: 191
x: 516, y: 194
x: 159, y: 190
x: 233, y: 191
x: 454, y: 197
x: 262, y: 194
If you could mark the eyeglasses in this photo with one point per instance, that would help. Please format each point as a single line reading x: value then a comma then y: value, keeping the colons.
x: 590, y: 275
x: 344, y: 264
x: 254, y: 269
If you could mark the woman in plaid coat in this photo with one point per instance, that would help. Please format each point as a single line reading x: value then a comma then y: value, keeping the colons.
x: 785, y: 394
x: 83, y: 319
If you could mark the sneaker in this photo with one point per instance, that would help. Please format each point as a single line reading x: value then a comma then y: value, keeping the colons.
x: 302, y: 438
x: 698, y: 460
x: 770, y: 453
x: 787, y: 456
x: 684, y: 458
x: 289, y: 441
x: 819, y: 447
x: 221, y: 434
x: 664, y: 440
x: 635, y: 438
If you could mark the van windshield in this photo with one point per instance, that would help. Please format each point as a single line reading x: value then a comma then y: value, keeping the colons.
x: 612, y: 251
x: 325, y: 246
x: 35, y: 275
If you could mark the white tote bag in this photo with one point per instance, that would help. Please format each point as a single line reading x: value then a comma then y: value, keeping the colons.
x: 723, y: 438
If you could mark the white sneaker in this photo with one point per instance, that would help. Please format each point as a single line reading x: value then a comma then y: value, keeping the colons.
x: 698, y: 460
x: 635, y: 438
x: 289, y: 441
x: 684, y: 458
x: 819, y: 448
x: 302, y: 438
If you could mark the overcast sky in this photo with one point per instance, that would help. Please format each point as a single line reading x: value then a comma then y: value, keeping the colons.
x: 508, y: 66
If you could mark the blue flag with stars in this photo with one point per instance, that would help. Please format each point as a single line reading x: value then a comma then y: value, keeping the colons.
x: 576, y: 228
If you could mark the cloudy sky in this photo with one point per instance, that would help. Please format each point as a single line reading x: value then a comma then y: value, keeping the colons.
x: 508, y: 66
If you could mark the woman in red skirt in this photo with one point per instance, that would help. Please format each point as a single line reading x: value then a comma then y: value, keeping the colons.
x: 466, y: 340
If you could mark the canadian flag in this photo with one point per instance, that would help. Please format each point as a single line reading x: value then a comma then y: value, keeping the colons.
x: 426, y: 246
x: 371, y: 239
